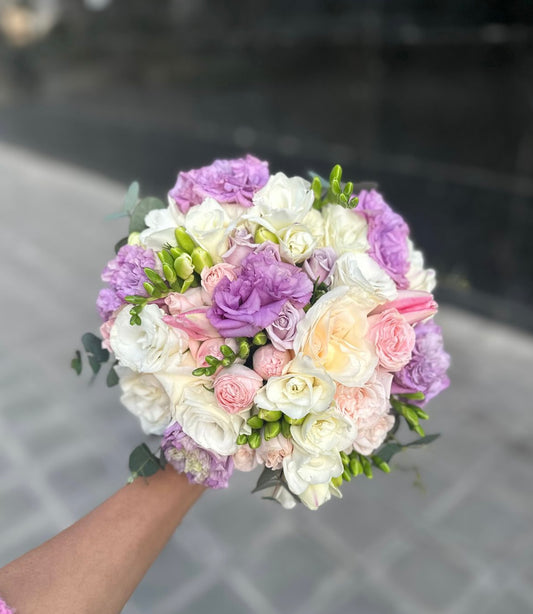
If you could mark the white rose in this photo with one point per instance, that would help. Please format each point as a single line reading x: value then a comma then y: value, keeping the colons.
x: 175, y: 383
x: 325, y: 432
x: 315, y: 223
x: 316, y: 495
x: 301, y: 469
x: 303, y: 388
x: 144, y: 396
x: 418, y: 277
x: 161, y: 224
x: 345, y: 230
x: 209, y: 425
x: 209, y: 225
x: 152, y: 346
x: 296, y: 243
x: 359, y: 271
x: 282, y: 202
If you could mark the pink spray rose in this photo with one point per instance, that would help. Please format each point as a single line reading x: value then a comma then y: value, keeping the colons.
x: 211, y: 347
x: 212, y: 275
x: 235, y: 388
x: 269, y: 362
x: 245, y: 459
x: 177, y: 303
x: 272, y: 452
x: 393, y: 337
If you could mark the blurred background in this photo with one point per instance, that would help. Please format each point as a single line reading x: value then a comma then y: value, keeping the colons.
x: 434, y: 101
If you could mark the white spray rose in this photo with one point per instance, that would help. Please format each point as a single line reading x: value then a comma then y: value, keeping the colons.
x: 345, y: 230
x: 418, y: 277
x: 160, y: 227
x: 296, y: 243
x: 282, y: 202
x: 301, y: 469
x: 209, y: 225
x: 360, y: 272
x: 152, y: 346
x: 315, y: 223
x: 144, y: 396
x: 316, y: 495
x: 325, y: 432
x: 303, y: 388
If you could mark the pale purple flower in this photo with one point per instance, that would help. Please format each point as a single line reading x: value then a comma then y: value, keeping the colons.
x: 387, y: 235
x: 241, y: 244
x: 125, y: 275
x: 283, y: 330
x: 426, y: 371
x: 320, y: 264
x: 227, y: 181
x: 246, y: 305
x: 201, y: 466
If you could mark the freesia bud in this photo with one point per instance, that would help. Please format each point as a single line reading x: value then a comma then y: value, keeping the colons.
x: 254, y: 440
x: 262, y: 235
x: 184, y: 240
x: 201, y: 259
x: 272, y: 429
x: 269, y: 415
x: 183, y: 266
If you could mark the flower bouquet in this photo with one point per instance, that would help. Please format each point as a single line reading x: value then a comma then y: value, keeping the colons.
x: 261, y: 319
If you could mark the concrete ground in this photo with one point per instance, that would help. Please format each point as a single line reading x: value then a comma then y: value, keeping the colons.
x: 449, y: 531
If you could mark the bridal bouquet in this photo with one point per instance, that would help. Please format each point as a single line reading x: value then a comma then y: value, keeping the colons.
x: 261, y: 319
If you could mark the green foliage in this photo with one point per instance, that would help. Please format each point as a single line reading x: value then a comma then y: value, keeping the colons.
x: 120, y: 244
x: 268, y: 479
x: 75, y: 363
x: 142, y: 208
x: 143, y: 462
x: 96, y: 354
x: 112, y: 377
x: 387, y: 451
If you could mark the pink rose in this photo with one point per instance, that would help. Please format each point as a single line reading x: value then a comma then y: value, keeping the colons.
x: 245, y: 459
x: 177, y: 303
x: 235, y: 388
x: 211, y: 347
x: 212, y: 275
x: 269, y: 362
x: 414, y: 305
x: 393, y: 337
x: 272, y: 452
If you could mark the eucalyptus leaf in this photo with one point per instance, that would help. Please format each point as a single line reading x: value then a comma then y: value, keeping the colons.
x: 93, y: 363
x: 267, y: 479
x: 93, y: 347
x: 143, y: 462
x: 140, y: 211
x: 112, y: 377
x: 392, y: 448
x: 131, y: 198
x: 75, y: 363
x: 423, y: 441
x: 120, y: 244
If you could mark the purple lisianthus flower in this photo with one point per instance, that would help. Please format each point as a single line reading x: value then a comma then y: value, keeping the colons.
x: 426, y: 371
x: 246, y: 305
x: 283, y: 330
x: 125, y: 275
x: 319, y: 265
x: 201, y: 466
x: 227, y: 181
x: 387, y: 235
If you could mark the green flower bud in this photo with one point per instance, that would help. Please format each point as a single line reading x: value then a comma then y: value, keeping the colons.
x: 199, y: 371
x: 269, y: 415
x: 242, y: 439
x: 225, y: 350
x: 165, y: 257
x: 293, y: 421
x: 187, y: 283
x: 156, y: 279
x: 353, y: 202
x: 254, y: 440
x: 346, y: 476
x: 227, y: 362
x: 271, y: 430
x: 348, y: 189
x: 184, y: 240
x: 355, y: 467
x: 335, y: 187
x: 170, y: 274
x: 367, y: 467
x: 183, y: 266
x: 337, y: 482
x: 210, y: 370
x: 380, y: 464
x: 415, y: 396
x: 134, y: 299
x: 336, y: 173
x: 149, y: 288
x: 316, y: 186
x: 285, y: 429
x: 201, y: 259
x: 212, y: 361
x: 345, y: 459
x: 244, y: 350
x: 419, y: 430
x: 422, y: 414
x: 175, y: 252
x: 255, y: 422
x: 262, y: 234
x: 260, y: 338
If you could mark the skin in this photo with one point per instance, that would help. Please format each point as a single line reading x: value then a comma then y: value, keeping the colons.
x: 95, y: 565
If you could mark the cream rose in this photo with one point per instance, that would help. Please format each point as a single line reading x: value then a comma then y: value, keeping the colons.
x: 359, y: 271
x: 282, y: 202
x: 301, y: 469
x: 152, y: 346
x: 325, y: 432
x: 314, y: 222
x: 345, y: 230
x: 296, y: 243
x: 303, y: 388
x: 145, y: 397
x: 333, y: 333
x: 209, y: 225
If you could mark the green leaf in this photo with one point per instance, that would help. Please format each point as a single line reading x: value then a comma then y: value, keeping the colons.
x: 112, y: 377
x: 120, y: 244
x: 140, y: 211
x: 423, y: 441
x: 390, y: 449
x: 131, y: 198
x: 93, y: 347
x: 267, y: 479
x: 94, y: 364
x: 143, y: 461
x: 75, y: 363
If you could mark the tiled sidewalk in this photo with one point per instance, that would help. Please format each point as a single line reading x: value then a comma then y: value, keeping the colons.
x: 459, y: 542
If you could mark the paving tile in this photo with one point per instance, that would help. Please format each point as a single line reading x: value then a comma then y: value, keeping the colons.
x: 219, y: 598
x: 371, y: 599
x: 16, y: 504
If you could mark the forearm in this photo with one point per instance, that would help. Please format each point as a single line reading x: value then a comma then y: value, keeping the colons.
x: 95, y: 565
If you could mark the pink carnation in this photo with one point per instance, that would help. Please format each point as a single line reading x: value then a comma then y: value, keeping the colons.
x: 272, y: 452
x: 211, y: 276
x: 369, y: 439
x: 269, y: 362
x: 235, y: 388
x: 393, y: 337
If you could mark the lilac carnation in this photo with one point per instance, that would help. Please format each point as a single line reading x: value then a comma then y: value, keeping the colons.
x: 201, y: 466
x: 387, y: 235
x: 243, y: 307
x: 227, y: 181
x: 125, y: 275
x: 426, y: 371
